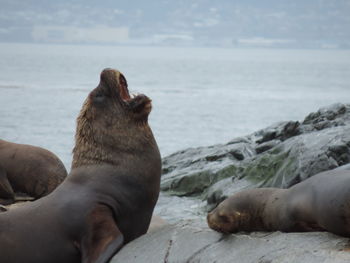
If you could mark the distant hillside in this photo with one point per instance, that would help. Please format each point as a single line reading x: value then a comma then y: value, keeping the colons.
x: 324, y: 23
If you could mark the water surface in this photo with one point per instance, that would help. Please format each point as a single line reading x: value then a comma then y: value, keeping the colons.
x: 201, y: 96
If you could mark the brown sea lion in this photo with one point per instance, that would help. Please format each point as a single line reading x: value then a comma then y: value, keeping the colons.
x: 320, y: 203
x: 28, y: 170
x: 109, y: 196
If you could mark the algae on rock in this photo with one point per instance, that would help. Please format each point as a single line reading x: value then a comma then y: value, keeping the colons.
x: 271, y: 169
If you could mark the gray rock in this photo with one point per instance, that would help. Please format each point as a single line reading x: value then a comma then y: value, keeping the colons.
x: 331, y: 116
x: 300, y: 157
x: 263, y: 147
x: 192, y: 171
x: 281, y: 131
x: 188, y: 243
x: 281, y: 155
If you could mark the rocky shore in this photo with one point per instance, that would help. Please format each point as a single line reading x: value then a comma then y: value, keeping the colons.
x: 195, y: 180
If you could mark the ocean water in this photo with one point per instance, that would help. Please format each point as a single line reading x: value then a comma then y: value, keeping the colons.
x: 201, y: 96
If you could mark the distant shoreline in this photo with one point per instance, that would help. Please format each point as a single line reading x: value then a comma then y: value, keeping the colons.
x: 154, y: 45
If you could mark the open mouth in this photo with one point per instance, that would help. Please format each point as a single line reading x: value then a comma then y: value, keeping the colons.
x: 137, y: 102
x: 123, y: 88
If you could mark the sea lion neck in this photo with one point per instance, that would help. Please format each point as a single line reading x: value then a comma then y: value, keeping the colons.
x: 95, y: 145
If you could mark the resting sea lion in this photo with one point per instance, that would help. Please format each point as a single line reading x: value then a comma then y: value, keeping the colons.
x: 320, y: 203
x: 109, y: 196
x: 29, y: 170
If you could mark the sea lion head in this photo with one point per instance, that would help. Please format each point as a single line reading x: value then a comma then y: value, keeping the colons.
x: 112, y: 95
x: 111, y: 121
x: 227, y: 217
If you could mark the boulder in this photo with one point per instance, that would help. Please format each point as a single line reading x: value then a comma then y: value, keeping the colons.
x: 188, y: 243
x: 278, y: 156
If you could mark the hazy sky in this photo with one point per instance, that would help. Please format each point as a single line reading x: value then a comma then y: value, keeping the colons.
x: 200, y: 20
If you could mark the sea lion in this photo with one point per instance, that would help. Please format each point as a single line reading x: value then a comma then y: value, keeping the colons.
x: 320, y: 203
x: 29, y: 170
x: 109, y: 196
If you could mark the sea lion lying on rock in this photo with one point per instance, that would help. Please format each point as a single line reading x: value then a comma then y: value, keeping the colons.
x: 320, y: 203
x: 109, y: 196
x: 28, y: 170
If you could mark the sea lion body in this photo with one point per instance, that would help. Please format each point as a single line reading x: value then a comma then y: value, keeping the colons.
x: 28, y: 169
x: 320, y: 203
x: 109, y: 196
x: 52, y: 229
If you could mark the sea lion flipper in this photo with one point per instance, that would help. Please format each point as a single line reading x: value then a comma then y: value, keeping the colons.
x: 103, y: 238
x: 6, y: 190
x: 111, y: 249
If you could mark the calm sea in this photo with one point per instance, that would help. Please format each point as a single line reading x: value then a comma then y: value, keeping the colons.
x: 201, y: 96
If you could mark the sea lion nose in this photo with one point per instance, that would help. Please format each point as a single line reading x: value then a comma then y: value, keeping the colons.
x: 109, y: 73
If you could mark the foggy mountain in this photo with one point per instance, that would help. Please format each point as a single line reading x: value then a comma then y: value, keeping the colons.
x: 312, y: 23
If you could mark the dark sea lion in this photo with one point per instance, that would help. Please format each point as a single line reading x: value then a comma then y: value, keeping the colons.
x: 29, y: 170
x: 109, y: 196
x: 320, y: 203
